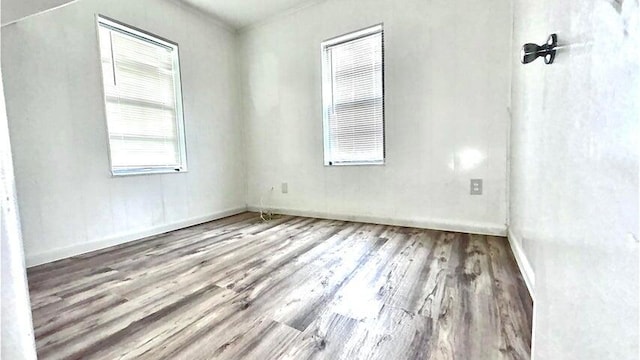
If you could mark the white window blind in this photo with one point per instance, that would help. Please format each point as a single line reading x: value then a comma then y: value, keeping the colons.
x: 143, y: 101
x: 353, y: 98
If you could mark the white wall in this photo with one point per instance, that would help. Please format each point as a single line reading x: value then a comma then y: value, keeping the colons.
x: 13, y: 10
x: 68, y: 200
x: 16, y: 328
x: 574, y: 175
x: 447, y: 87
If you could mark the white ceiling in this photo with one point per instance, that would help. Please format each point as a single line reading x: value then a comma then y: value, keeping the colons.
x: 241, y: 13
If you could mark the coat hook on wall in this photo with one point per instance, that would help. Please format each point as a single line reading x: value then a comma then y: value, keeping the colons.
x: 547, y: 51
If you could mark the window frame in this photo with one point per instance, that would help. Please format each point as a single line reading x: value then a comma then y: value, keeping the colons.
x: 143, y: 35
x: 327, y: 94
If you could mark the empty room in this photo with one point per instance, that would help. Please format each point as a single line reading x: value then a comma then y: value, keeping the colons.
x: 320, y: 179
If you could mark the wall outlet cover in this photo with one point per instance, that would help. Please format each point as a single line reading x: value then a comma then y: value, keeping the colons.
x: 476, y: 187
x: 285, y: 188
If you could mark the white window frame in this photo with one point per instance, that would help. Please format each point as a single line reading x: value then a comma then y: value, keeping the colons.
x: 327, y: 94
x: 139, y: 34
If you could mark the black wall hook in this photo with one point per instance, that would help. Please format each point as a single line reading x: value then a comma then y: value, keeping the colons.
x: 531, y: 51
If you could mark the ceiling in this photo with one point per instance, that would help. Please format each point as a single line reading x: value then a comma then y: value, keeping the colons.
x: 242, y: 13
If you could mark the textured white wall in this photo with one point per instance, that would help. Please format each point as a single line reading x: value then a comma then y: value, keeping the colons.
x: 447, y: 88
x: 574, y: 175
x: 69, y: 203
x: 16, y: 329
x: 13, y: 10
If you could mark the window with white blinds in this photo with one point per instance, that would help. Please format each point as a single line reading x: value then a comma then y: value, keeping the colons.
x: 353, y: 98
x: 143, y: 100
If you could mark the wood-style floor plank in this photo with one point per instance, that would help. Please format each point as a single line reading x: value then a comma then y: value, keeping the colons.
x: 288, y: 288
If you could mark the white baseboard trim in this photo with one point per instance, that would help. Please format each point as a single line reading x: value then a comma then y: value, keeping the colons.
x: 77, y: 249
x: 478, y: 228
x: 523, y: 263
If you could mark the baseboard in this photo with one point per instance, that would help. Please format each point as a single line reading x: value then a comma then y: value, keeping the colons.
x: 62, y: 253
x: 478, y: 228
x: 523, y: 263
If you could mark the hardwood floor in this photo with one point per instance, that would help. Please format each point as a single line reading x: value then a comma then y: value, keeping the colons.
x: 289, y: 288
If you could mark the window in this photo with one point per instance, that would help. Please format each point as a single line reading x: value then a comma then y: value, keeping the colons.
x: 353, y: 98
x: 143, y: 100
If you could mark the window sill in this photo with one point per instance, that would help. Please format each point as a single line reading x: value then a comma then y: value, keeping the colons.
x: 357, y: 163
x: 145, y: 171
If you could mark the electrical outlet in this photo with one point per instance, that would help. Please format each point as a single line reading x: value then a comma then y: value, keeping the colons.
x: 476, y: 187
x: 285, y: 188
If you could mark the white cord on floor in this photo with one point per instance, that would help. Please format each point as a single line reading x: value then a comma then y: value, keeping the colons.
x: 269, y: 215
